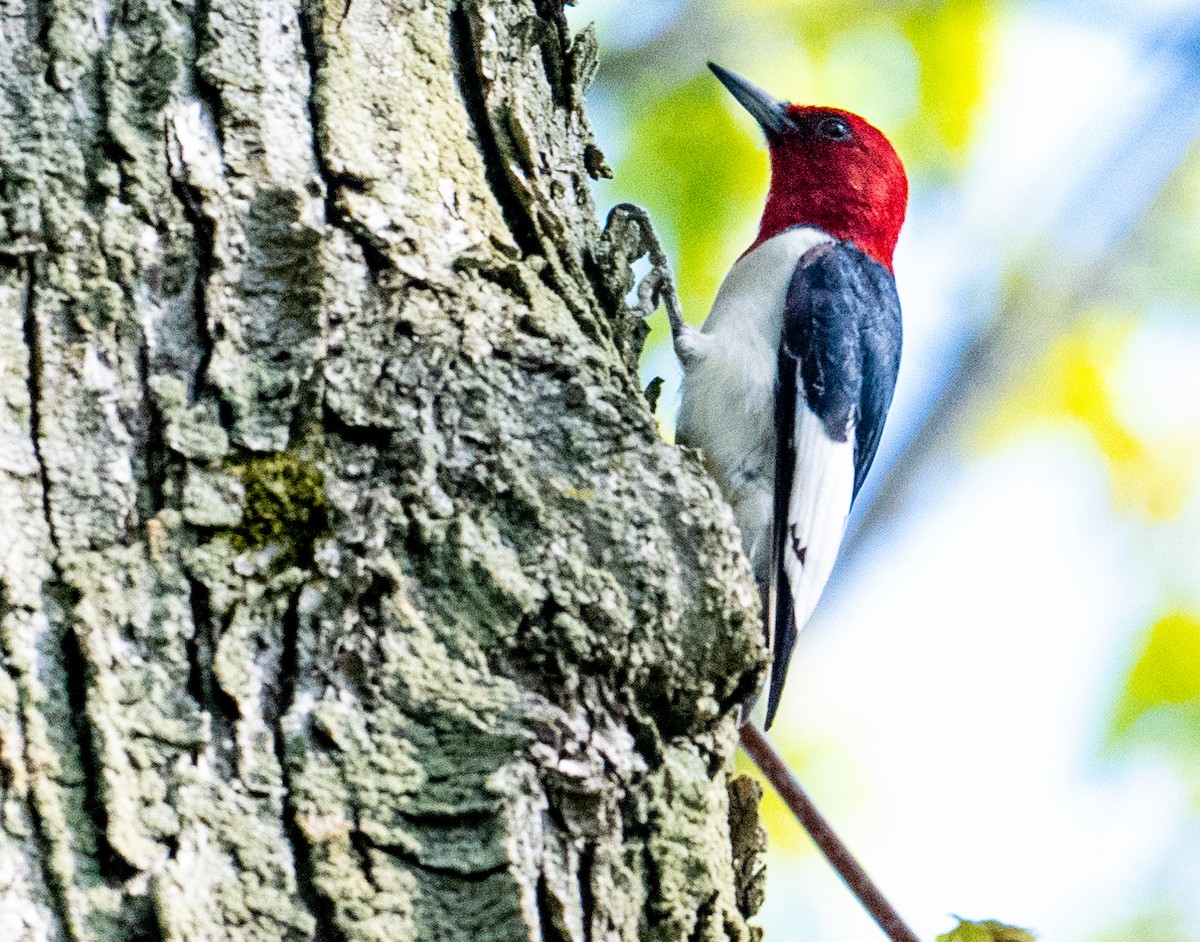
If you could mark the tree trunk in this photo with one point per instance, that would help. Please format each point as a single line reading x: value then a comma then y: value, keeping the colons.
x: 346, y: 589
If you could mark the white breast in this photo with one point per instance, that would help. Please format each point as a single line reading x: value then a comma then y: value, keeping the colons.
x: 729, y: 386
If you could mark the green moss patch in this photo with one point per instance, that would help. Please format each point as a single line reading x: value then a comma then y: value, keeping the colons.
x: 285, y: 506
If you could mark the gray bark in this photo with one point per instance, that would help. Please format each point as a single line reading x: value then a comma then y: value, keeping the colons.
x: 346, y: 589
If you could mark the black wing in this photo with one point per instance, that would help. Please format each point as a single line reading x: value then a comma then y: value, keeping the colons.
x: 838, y: 357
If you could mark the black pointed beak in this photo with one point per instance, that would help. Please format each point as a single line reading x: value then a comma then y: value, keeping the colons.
x: 769, y: 112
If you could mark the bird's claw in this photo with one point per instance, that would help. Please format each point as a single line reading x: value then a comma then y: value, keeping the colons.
x: 630, y: 226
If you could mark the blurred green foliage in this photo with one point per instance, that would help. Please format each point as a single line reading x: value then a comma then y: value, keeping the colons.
x: 1079, y: 382
x: 951, y: 42
x: 917, y: 69
x: 1158, y: 927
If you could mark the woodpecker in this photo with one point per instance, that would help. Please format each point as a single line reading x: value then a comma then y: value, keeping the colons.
x: 787, y: 383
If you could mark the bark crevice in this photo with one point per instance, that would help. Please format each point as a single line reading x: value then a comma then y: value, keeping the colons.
x: 374, y: 251
x: 202, y: 683
x: 322, y: 909
x: 470, y: 79
x: 77, y: 673
x: 67, y: 666
x: 33, y: 379
x: 204, y: 241
x: 204, y: 86
x: 53, y: 891
x: 56, y: 892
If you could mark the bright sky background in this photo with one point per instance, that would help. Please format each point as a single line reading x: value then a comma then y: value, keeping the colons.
x: 950, y: 704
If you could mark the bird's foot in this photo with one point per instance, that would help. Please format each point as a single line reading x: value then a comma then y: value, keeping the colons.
x: 628, y: 235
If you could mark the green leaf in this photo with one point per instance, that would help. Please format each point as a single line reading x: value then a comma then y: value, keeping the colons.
x: 987, y: 931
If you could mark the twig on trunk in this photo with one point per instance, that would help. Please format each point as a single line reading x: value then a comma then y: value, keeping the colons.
x: 839, y: 857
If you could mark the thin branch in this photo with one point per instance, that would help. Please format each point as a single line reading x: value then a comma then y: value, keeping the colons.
x: 839, y: 857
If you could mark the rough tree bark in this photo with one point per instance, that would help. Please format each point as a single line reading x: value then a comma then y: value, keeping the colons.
x: 346, y: 590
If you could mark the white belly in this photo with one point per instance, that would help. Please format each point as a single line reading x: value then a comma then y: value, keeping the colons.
x: 729, y: 388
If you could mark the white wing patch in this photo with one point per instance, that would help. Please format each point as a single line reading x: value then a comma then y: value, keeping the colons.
x: 822, y: 490
x: 729, y: 385
x: 817, y: 509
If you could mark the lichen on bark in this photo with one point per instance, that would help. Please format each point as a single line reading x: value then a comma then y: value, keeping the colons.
x: 346, y: 589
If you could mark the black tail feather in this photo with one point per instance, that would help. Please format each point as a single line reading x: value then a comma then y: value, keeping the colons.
x: 781, y: 654
x: 779, y: 614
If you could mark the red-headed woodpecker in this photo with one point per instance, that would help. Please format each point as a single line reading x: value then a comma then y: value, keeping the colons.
x: 787, y: 384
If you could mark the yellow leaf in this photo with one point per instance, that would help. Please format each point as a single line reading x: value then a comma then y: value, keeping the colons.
x: 1166, y: 673
x: 952, y: 44
x: 1073, y: 382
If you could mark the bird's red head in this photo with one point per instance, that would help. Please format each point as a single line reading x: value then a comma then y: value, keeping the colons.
x: 830, y: 169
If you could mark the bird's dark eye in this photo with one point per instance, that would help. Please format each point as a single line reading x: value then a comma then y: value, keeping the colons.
x: 834, y: 128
